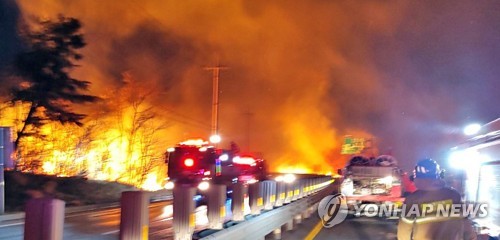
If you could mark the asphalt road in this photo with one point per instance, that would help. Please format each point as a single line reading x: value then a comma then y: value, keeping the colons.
x: 105, y: 223
x: 352, y: 228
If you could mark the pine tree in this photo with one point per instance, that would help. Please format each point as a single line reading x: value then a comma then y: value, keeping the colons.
x: 44, y: 69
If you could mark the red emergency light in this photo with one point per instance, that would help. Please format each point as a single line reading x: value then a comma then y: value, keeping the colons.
x: 188, y: 162
x: 244, y: 160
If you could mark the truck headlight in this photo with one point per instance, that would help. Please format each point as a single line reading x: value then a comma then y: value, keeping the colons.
x: 279, y: 178
x: 289, y: 178
x: 386, y: 180
x: 203, y: 186
x: 169, y: 185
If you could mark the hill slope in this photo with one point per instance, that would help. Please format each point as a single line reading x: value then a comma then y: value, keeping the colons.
x: 75, y: 191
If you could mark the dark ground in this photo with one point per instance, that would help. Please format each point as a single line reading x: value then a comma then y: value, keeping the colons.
x: 75, y: 191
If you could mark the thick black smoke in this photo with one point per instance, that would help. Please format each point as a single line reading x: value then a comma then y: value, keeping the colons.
x: 10, y: 43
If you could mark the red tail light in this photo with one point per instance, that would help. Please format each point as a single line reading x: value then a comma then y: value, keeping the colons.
x: 188, y: 162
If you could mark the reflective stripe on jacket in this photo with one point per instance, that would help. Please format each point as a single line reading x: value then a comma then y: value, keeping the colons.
x: 433, y: 226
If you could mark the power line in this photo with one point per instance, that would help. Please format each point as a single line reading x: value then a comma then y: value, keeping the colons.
x: 187, y: 120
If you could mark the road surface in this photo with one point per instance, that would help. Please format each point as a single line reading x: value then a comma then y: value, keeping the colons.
x: 102, y: 224
x: 352, y: 229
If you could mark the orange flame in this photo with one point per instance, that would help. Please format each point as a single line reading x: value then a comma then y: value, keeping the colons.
x: 282, y: 58
x: 119, y: 147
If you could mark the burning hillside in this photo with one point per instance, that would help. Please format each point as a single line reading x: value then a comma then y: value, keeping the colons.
x: 158, y: 44
x: 119, y: 142
x: 300, y: 76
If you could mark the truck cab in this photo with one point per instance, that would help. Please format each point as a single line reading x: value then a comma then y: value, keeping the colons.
x: 375, y: 180
x: 196, y: 161
x: 191, y: 163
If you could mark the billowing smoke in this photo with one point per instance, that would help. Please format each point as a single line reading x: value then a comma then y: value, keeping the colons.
x: 301, y: 73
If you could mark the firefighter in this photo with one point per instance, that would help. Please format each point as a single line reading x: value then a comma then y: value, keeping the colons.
x: 423, y: 222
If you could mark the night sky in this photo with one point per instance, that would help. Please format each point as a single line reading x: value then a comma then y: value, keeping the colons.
x: 408, y: 74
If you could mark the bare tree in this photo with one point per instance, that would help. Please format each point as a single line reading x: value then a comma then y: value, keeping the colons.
x: 138, y: 125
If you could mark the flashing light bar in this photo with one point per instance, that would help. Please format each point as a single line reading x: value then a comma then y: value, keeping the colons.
x: 244, y: 160
x: 224, y: 157
x: 194, y: 142
x: 188, y: 162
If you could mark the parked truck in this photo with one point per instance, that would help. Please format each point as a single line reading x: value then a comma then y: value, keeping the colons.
x: 375, y: 180
x: 197, y: 162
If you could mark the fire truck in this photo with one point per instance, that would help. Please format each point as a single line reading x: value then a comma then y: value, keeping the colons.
x: 199, y: 163
x: 375, y: 180
x: 478, y: 158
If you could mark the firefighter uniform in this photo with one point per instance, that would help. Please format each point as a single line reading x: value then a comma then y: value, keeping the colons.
x: 432, y: 192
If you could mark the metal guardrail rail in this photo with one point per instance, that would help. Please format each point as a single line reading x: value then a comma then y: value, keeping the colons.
x: 300, y: 200
x: 265, y: 223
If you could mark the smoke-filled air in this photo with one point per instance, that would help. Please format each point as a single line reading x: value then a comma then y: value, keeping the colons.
x: 300, y: 76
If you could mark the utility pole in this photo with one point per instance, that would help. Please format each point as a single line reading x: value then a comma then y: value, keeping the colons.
x: 215, y: 97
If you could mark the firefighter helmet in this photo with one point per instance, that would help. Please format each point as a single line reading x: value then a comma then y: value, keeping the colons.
x: 427, y: 168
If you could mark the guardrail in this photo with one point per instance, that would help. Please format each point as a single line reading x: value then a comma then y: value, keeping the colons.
x: 273, y: 205
x: 273, y: 220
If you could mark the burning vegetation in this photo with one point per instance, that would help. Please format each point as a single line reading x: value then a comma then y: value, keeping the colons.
x: 281, y: 95
x: 119, y: 142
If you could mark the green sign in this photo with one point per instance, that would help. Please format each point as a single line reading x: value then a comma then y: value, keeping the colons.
x: 352, y: 145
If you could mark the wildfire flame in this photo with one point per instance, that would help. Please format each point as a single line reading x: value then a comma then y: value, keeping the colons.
x: 294, y: 169
x: 275, y: 74
x: 121, y: 145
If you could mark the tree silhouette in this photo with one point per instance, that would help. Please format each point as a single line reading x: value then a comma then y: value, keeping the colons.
x: 44, y: 70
